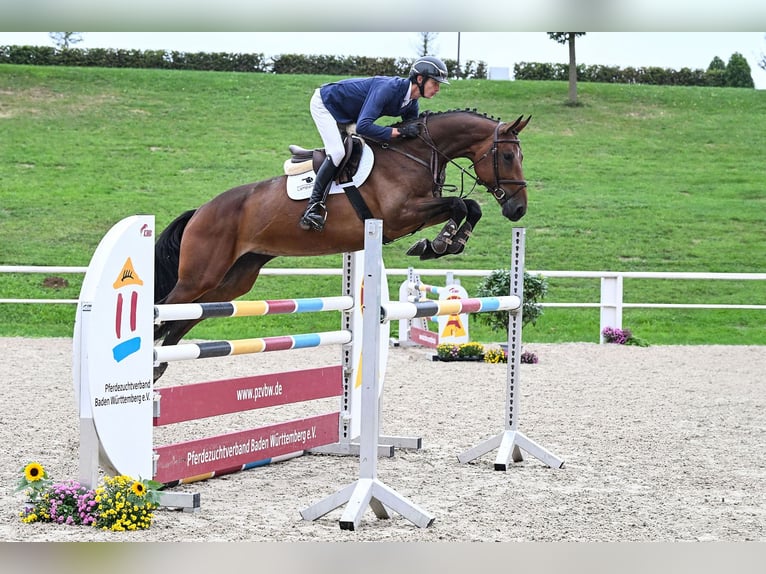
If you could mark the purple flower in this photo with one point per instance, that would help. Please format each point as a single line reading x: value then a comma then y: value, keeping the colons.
x: 528, y: 357
x: 618, y: 336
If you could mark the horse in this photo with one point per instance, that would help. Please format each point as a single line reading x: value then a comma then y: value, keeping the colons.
x: 215, y: 252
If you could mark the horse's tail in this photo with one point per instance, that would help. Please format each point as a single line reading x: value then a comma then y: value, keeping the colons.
x: 166, y: 255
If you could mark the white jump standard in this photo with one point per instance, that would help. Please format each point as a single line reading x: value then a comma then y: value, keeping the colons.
x: 368, y: 490
x: 511, y: 440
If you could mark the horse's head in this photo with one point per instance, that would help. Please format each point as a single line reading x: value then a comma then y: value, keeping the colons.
x: 498, y: 168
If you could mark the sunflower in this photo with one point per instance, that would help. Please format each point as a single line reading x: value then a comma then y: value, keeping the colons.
x: 138, y: 488
x: 34, y: 471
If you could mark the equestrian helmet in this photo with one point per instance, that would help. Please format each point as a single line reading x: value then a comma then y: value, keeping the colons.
x: 429, y: 67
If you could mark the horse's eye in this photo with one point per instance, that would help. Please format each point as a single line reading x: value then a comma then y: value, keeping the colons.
x: 508, y: 156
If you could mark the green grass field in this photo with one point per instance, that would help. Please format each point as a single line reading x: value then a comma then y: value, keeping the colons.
x: 637, y: 178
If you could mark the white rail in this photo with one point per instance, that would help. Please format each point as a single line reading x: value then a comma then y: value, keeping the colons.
x: 611, y: 302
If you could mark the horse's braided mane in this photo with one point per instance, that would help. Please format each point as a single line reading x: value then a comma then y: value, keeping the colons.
x: 428, y: 113
x: 471, y: 111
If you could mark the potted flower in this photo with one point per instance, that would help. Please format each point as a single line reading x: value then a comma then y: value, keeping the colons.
x: 462, y: 352
x: 497, y: 284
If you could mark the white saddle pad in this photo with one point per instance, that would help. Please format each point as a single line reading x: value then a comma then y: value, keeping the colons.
x: 299, y: 186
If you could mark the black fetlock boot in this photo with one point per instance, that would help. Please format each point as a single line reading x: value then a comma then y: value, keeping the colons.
x: 316, y: 212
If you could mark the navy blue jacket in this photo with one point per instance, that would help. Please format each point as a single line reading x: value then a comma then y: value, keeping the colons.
x: 364, y: 100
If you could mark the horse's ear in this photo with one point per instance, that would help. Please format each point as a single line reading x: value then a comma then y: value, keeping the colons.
x: 518, y: 125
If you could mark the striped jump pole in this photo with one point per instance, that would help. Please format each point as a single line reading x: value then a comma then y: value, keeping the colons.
x: 184, y: 311
x: 190, y: 351
x: 396, y: 310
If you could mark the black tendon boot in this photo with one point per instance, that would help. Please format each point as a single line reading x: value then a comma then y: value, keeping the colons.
x: 316, y: 212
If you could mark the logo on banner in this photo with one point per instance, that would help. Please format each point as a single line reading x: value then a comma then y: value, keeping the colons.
x: 126, y: 309
x: 453, y: 326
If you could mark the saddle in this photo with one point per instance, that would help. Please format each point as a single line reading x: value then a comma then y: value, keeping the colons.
x: 303, y: 160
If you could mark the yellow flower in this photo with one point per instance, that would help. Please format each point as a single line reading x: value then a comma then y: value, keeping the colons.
x: 138, y: 488
x: 34, y: 471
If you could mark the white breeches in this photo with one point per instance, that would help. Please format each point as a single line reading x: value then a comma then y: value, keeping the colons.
x: 328, y: 129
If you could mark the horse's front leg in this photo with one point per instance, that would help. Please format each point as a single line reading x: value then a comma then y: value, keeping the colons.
x: 456, y: 210
x: 466, y: 230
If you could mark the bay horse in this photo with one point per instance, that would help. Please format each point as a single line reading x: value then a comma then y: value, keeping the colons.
x: 214, y: 253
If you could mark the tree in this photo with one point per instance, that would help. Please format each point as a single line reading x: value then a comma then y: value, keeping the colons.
x: 427, y: 40
x: 569, y: 38
x: 738, y: 72
x: 762, y: 61
x: 716, y: 72
x: 64, y: 39
x: 716, y: 64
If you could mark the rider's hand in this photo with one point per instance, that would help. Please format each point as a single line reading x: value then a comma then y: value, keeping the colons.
x: 408, y: 131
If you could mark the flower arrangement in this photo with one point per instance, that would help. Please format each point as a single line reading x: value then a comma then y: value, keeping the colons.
x: 461, y: 352
x: 495, y: 356
x: 622, y: 337
x: 124, y: 504
x: 471, y: 350
x: 120, y: 503
x: 476, y: 352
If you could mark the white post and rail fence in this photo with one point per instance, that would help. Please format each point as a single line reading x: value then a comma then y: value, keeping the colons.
x: 611, y: 303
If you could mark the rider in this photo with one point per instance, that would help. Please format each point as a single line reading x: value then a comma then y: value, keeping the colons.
x: 362, y: 101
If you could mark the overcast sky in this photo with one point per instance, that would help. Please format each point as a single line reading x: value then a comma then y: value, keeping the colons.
x: 675, y: 50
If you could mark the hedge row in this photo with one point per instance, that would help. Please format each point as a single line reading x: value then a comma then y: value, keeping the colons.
x: 736, y: 74
x: 648, y: 75
x: 110, y: 58
x: 225, y: 62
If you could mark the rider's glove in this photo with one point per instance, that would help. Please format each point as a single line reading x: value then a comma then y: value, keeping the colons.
x: 408, y: 131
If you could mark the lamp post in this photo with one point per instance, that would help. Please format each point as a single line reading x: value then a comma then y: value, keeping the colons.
x: 458, y: 54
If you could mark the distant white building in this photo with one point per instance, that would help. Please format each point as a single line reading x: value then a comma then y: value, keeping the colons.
x: 499, y: 73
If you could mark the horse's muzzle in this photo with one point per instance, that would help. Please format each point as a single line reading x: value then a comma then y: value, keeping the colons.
x: 514, y: 210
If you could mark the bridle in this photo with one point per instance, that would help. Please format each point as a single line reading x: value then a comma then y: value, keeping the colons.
x: 439, y: 158
x: 497, y: 190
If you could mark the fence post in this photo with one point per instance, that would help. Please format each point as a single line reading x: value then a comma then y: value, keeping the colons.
x: 611, y: 304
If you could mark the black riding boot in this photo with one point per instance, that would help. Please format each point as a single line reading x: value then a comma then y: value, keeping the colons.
x: 316, y: 212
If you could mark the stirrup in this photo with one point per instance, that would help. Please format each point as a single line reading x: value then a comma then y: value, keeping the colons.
x: 314, y: 217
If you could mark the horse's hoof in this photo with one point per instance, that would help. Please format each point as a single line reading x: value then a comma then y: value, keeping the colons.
x: 418, y: 248
x: 430, y: 254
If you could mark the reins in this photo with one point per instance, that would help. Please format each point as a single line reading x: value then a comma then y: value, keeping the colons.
x: 439, y: 160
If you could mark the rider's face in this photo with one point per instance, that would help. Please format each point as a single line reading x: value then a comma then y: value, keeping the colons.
x: 431, y: 88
